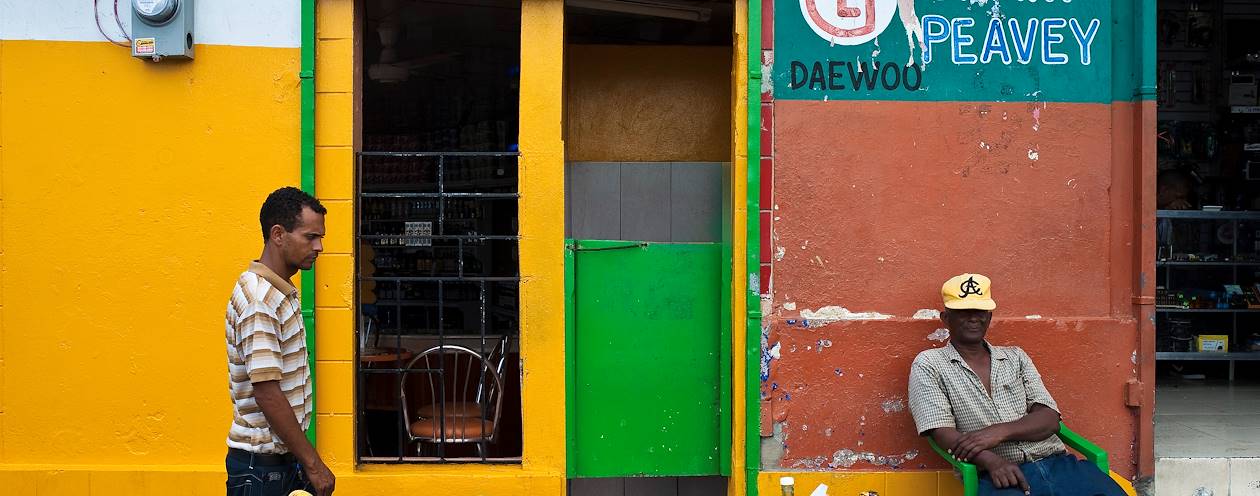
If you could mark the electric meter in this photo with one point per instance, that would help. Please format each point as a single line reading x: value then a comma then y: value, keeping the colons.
x: 161, y: 29
x: 156, y: 12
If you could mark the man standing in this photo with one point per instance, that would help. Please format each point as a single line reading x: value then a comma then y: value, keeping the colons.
x: 987, y: 405
x: 268, y: 453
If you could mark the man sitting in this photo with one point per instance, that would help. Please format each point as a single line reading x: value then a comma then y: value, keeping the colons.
x: 987, y: 405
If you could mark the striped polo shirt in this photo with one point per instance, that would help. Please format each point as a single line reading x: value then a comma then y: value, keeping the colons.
x: 266, y: 341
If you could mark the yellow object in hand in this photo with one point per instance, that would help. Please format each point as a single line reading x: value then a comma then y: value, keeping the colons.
x: 299, y: 492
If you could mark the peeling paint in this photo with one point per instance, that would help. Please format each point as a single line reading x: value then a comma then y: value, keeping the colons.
x: 768, y: 355
x: 894, y: 405
x: 824, y: 343
x: 996, y: 11
x: 927, y: 314
x: 767, y: 71
x: 847, y: 458
x: 789, y: 306
x: 1133, y: 357
x: 910, y: 21
x: 779, y: 253
x: 939, y: 335
x: 1033, y: 317
x: 1034, y: 155
x: 834, y: 313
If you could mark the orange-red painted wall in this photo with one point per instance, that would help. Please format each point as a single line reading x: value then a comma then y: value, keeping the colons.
x: 875, y: 204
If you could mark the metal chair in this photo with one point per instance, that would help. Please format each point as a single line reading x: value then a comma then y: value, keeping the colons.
x: 466, y: 394
x: 495, y: 358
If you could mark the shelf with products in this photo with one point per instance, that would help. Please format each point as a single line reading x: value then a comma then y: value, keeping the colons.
x: 420, y: 173
x: 1208, y: 264
x: 1207, y: 286
x: 1207, y: 355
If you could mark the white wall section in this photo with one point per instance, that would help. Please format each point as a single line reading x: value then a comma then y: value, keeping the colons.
x: 264, y: 23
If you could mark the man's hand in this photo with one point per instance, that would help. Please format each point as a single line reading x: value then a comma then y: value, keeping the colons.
x: 1002, y: 472
x: 972, y: 443
x: 321, y: 479
x: 279, y: 414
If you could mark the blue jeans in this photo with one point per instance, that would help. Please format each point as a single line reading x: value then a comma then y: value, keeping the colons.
x: 1058, y: 475
x: 249, y: 478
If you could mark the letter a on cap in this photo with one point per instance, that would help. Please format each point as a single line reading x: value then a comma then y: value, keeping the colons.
x: 968, y: 292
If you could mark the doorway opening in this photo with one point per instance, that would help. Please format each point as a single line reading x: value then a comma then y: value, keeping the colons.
x: 1208, y: 235
x: 648, y: 150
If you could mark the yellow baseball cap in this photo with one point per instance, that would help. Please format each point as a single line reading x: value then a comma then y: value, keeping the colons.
x: 968, y: 292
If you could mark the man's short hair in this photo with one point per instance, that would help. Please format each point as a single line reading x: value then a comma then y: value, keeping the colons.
x: 284, y: 207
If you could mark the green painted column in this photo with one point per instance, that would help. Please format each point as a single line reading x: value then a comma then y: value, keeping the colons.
x: 307, y: 77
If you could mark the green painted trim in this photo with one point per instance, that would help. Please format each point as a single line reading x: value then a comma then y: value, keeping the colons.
x: 307, y: 78
x: 752, y: 358
x: 726, y: 358
x: 570, y: 371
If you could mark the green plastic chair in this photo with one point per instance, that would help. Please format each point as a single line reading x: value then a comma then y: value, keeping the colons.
x: 971, y: 475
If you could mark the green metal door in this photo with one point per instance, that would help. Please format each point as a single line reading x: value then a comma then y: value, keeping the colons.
x: 646, y: 344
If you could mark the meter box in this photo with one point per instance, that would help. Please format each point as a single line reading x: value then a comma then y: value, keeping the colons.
x: 161, y: 29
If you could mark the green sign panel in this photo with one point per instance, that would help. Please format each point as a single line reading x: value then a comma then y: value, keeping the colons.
x: 943, y: 50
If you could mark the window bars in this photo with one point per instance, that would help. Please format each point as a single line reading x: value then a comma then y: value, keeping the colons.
x: 438, y: 276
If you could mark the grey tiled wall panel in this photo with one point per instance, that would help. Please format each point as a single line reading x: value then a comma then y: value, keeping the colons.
x: 645, y: 201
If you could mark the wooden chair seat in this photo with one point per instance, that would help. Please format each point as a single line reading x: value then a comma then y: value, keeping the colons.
x: 456, y: 428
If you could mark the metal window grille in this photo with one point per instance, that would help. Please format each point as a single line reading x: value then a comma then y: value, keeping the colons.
x: 438, y: 243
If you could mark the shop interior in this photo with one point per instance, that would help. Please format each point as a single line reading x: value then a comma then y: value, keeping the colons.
x: 438, y: 325
x: 1208, y: 230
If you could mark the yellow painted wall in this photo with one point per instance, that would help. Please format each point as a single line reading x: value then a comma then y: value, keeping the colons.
x: 905, y: 483
x: 647, y: 103
x: 125, y: 223
x: 130, y: 204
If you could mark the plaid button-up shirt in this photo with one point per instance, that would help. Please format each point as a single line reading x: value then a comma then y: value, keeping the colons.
x: 945, y: 392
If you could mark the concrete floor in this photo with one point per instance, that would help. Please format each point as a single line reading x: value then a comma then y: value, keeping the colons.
x: 1207, y: 419
x: 1207, y: 438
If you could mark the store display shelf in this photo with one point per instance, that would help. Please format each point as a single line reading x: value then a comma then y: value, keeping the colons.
x: 1207, y: 355
x: 393, y: 187
x: 1206, y: 215
x: 1207, y: 310
x: 1207, y: 264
